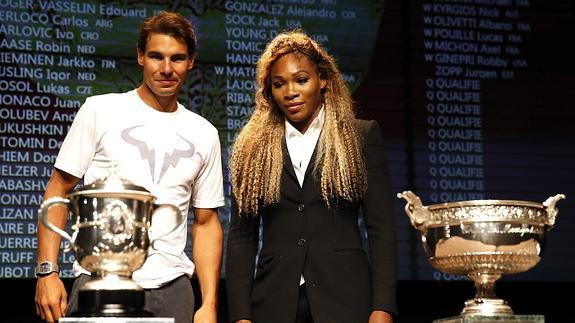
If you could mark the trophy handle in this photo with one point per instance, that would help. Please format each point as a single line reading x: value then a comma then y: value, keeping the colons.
x: 551, y: 209
x: 417, y: 212
x: 179, y: 217
x: 47, y: 205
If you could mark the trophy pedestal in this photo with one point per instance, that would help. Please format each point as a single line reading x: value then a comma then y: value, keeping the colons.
x: 493, y: 319
x: 116, y: 320
x: 111, y: 303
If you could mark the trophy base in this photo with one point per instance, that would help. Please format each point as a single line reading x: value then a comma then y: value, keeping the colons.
x: 493, y: 319
x: 111, y: 303
x: 487, y: 307
x: 116, y: 320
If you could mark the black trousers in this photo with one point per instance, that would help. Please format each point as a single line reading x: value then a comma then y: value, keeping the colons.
x: 303, y: 314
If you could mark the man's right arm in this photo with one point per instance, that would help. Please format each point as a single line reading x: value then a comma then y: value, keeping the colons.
x: 51, y: 297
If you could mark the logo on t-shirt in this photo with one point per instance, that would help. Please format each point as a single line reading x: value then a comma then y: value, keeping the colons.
x: 151, y: 154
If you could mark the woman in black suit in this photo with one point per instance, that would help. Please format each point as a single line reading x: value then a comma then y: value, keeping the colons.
x: 303, y: 169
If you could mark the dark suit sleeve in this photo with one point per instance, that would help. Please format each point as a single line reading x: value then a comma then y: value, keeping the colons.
x: 241, y: 249
x: 379, y: 219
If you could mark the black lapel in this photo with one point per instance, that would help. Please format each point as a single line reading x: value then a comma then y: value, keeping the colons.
x: 287, y: 160
x: 311, y: 162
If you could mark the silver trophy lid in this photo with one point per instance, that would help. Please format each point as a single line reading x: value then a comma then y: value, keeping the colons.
x: 113, y: 185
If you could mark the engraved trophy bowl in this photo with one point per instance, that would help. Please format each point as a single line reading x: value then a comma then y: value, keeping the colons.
x: 483, y: 239
x: 110, y: 239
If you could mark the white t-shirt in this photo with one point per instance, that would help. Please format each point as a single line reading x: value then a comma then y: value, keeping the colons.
x: 176, y: 156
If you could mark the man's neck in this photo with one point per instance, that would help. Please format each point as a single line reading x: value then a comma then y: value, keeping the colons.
x: 162, y: 104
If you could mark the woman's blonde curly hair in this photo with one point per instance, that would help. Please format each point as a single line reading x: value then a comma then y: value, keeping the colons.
x: 257, y: 155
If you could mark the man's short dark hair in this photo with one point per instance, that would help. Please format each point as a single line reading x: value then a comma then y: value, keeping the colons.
x: 168, y: 23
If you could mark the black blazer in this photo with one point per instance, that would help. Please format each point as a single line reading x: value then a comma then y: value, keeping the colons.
x: 302, y: 236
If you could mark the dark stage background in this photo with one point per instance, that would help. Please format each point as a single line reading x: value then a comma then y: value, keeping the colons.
x: 474, y: 98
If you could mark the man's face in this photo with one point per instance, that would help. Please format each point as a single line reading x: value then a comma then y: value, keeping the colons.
x: 165, y: 65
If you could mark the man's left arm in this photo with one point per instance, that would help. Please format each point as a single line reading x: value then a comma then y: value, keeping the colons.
x: 207, y: 241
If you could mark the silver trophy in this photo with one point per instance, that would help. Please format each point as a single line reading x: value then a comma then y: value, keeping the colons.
x: 110, y: 239
x: 483, y: 239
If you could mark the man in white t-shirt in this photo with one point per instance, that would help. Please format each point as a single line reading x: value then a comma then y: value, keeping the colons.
x: 160, y: 145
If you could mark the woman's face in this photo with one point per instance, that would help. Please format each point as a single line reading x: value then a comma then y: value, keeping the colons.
x: 296, y: 89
